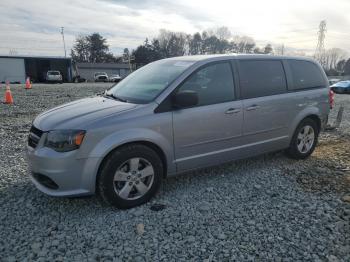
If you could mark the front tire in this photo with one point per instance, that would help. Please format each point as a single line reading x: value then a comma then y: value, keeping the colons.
x: 304, y: 139
x: 130, y: 176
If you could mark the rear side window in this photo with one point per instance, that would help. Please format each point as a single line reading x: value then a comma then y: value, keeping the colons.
x: 213, y: 84
x: 261, y: 78
x: 305, y: 74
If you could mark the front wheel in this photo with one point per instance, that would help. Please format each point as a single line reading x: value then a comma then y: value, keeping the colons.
x: 304, y: 139
x: 130, y: 176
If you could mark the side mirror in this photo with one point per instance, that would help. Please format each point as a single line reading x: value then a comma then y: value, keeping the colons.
x: 185, y: 99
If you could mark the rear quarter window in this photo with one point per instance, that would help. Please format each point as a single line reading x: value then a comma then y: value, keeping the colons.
x: 261, y: 78
x: 306, y: 75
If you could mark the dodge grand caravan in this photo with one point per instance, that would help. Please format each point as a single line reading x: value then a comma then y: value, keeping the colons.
x: 175, y: 115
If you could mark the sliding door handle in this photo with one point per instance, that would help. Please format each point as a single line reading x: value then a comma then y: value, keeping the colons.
x: 232, y: 111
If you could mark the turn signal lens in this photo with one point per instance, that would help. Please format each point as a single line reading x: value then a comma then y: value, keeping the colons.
x: 78, y: 139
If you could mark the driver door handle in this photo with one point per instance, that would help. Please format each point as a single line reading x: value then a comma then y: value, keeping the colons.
x: 252, y: 107
x: 232, y: 111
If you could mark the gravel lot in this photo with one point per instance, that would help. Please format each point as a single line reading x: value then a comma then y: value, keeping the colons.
x: 265, y: 208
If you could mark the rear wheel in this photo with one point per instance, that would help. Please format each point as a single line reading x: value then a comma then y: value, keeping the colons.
x: 304, y: 139
x: 130, y: 176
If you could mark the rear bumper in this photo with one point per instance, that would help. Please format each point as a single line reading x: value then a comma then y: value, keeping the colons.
x: 61, y: 174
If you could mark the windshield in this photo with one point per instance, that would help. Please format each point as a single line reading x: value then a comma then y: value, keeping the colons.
x: 54, y: 73
x: 100, y: 73
x: 145, y: 84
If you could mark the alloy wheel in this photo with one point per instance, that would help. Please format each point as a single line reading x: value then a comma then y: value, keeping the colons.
x: 305, y: 139
x: 133, y: 178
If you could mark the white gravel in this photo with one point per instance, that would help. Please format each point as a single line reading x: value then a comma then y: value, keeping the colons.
x: 265, y: 208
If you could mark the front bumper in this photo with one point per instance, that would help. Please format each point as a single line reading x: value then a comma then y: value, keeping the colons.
x: 54, y: 80
x: 73, y: 177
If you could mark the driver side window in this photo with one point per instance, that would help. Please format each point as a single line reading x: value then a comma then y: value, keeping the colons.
x: 212, y: 83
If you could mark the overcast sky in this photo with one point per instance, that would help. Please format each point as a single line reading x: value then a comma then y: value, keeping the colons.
x: 33, y: 27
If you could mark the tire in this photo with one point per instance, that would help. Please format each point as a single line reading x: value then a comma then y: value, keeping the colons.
x: 296, y: 149
x: 124, y: 181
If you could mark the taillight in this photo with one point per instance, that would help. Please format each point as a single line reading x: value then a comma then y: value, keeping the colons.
x: 331, y: 99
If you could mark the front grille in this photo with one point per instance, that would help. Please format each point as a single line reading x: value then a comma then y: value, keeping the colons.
x: 34, y: 136
x: 36, y: 131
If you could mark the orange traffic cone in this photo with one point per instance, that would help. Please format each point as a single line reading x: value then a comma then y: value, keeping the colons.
x: 28, y: 84
x: 8, y: 95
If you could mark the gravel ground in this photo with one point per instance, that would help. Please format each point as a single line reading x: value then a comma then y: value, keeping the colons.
x: 264, y: 208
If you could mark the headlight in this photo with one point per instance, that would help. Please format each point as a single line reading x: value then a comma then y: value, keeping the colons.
x: 64, y: 140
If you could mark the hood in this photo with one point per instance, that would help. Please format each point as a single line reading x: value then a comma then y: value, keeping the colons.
x: 77, y: 114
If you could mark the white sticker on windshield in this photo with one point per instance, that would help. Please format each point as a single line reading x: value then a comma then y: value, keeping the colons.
x: 183, y: 63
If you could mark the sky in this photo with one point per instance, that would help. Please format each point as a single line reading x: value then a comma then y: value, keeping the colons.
x: 33, y: 27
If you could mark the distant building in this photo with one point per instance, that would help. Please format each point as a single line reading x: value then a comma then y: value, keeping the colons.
x: 15, y: 69
x: 87, y: 70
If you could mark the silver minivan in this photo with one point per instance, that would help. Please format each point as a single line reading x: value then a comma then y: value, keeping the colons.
x: 175, y: 115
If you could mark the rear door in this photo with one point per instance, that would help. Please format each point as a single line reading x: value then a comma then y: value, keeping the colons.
x: 205, y: 134
x: 266, y: 103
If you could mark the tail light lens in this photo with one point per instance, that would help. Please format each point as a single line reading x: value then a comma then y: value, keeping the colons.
x: 331, y: 99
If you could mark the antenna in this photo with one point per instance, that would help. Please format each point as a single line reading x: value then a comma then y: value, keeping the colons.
x: 64, y: 42
x: 320, y: 49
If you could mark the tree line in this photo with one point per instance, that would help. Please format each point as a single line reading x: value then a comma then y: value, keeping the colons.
x: 213, y: 41
x: 94, y: 48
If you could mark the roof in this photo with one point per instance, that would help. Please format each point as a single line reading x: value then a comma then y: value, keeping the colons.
x: 237, y: 56
x: 99, y: 66
x: 36, y: 57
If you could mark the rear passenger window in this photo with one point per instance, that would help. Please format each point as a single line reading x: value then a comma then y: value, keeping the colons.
x: 261, y: 78
x: 305, y: 74
x: 213, y: 84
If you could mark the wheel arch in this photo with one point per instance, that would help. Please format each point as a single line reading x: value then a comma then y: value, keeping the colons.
x: 310, y: 112
x: 156, y: 148
x: 315, y: 118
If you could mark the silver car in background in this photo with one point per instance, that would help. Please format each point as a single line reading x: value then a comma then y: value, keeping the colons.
x: 175, y: 115
x: 54, y: 77
x: 115, y: 78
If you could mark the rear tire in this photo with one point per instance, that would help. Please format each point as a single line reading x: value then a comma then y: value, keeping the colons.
x: 304, y: 139
x: 130, y: 176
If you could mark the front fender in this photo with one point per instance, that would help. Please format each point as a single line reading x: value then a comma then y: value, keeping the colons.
x: 119, y: 138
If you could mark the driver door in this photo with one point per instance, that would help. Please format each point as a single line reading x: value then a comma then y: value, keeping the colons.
x: 208, y: 133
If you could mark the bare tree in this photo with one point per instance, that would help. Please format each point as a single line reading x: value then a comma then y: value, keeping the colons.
x: 333, y: 56
x: 268, y: 49
x: 222, y: 33
x: 172, y: 43
x: 245, y: 44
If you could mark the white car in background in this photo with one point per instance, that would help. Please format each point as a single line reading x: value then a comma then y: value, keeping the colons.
x: 115, y: 78
x: 54, y: 77
x: 101, y: 77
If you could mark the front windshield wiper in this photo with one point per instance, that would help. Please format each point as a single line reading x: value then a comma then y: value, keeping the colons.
x: 115, y: 97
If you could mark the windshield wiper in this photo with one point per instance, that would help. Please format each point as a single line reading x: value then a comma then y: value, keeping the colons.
x: 116, y: 97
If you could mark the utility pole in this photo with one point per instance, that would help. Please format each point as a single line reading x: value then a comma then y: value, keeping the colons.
x: 64, y: 42
x: 282, y: 49
x: 320, y: 49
